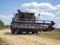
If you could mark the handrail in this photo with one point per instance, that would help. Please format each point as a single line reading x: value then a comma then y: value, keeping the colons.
x: 31, y: 20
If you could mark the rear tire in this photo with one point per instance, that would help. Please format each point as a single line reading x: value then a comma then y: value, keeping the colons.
x: 33, y: 32
x: 18, y: 32
x: 36, y: 32
x: 27, y: 32
x: 12, y: 31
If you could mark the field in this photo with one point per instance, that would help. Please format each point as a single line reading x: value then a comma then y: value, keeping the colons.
x: 3, y: 42
x: 43, y: 38
x: 52, y: 34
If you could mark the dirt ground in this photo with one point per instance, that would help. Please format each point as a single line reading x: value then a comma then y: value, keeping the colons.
x: 26, y: 39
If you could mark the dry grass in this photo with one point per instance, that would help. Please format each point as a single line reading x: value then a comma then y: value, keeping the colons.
x: 52, y: 34
x: 9, y: 39
x: 3, y: 42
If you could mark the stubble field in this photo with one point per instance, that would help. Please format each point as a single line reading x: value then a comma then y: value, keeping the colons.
x: 43, y: 38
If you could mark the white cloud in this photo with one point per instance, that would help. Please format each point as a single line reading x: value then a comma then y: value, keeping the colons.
x: 47, y: 14
x: 57, y: 18
x: 41, y: 6
x: 58, y: 12
x: 45, y: 9
x: 31, y: 5
x: 31, y: 10
x: 58, y: 6
x: 6, y: 18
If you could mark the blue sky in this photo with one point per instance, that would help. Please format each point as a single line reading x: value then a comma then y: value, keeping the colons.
x: 51, y: 9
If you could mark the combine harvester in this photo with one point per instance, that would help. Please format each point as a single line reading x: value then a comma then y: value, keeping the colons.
x: 26, y: 22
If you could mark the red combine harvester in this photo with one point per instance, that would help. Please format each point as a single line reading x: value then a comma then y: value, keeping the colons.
x: 26, y: 22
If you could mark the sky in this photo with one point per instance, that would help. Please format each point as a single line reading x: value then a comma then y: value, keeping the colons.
x: 48, y: 9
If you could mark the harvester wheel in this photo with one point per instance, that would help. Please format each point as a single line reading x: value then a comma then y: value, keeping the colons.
x: 13, y: 31
x: 33, y: 32
x: 27, y: 32
x: 18, y: 32
x: 36, y: 32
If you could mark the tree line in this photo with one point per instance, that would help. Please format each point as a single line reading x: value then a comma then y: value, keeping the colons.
x: 1, y: 24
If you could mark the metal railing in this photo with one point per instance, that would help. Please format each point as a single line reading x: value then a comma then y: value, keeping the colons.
x: 45, y: 22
